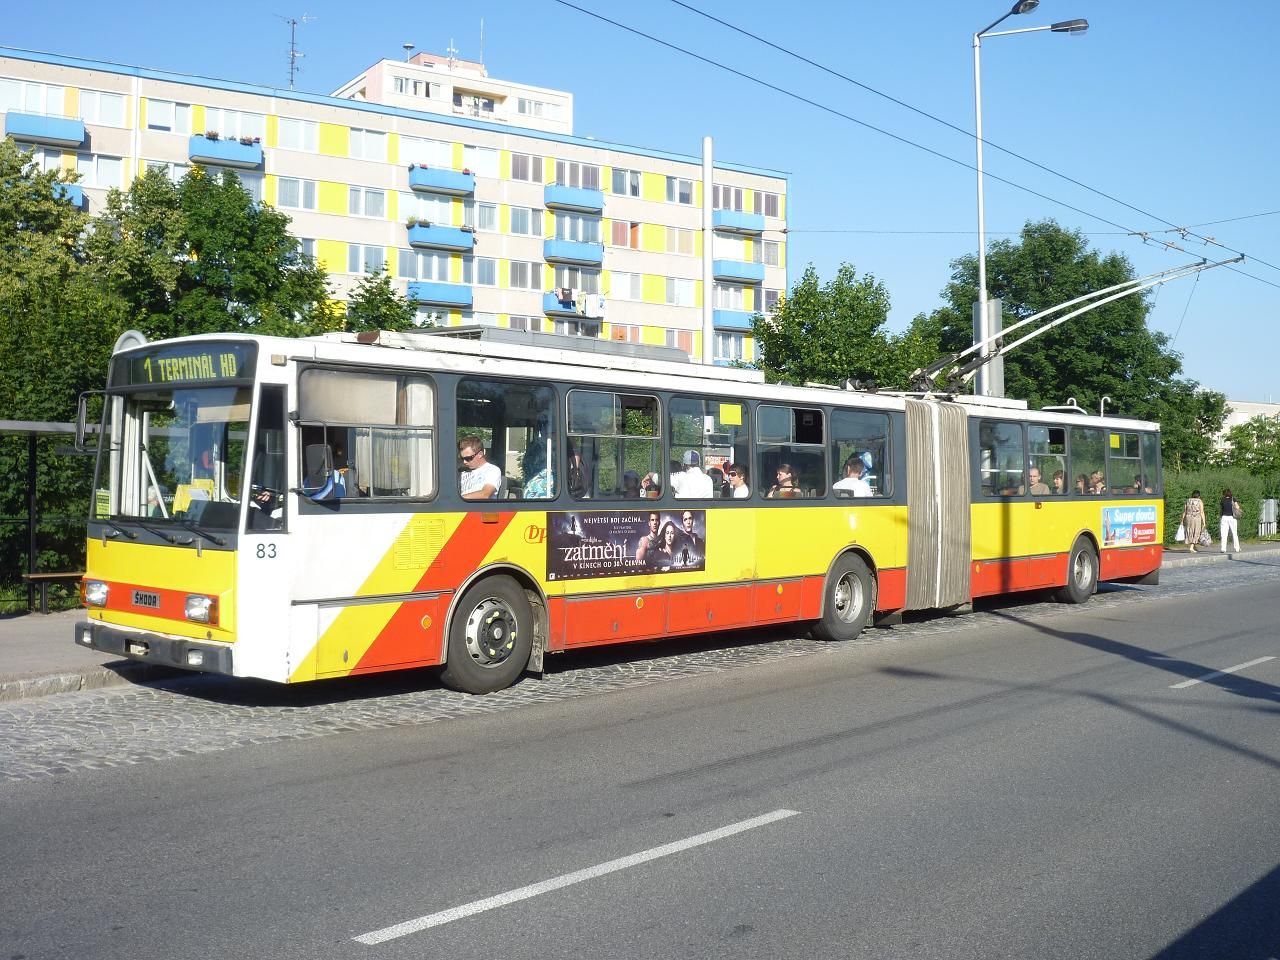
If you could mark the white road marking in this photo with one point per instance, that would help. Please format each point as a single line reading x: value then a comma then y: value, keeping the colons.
x: 1220, y: 673
x: 568, y: 879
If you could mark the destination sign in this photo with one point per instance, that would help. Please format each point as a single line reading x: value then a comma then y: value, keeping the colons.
x: 190, y: 363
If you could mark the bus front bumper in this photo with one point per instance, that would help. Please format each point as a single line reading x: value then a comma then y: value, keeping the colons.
x: 154, y: 648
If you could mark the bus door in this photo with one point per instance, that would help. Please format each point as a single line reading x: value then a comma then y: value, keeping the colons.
x: 938, y: 509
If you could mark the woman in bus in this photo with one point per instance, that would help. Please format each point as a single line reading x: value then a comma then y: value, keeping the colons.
x: 786, y: 485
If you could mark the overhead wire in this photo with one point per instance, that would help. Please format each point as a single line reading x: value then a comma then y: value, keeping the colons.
x: 1185, y: 308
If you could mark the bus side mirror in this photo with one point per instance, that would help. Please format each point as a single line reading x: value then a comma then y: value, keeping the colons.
x: 82, y: 416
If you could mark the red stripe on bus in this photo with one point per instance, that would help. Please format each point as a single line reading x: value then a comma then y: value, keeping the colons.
x: 891, y: 588
x: 413, y: 637
x: 169, y: 604
x: 1129, y: 561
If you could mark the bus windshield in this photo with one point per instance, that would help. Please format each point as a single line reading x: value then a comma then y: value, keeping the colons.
x: 174, y: 454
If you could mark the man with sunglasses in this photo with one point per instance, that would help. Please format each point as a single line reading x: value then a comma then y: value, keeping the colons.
x: 480, y: 479
x: 738, y: 481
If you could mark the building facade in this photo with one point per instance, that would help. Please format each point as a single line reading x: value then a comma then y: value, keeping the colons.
x: 478, y: 219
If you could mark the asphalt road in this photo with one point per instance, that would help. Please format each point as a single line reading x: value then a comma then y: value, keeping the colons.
x: 1030, y: 781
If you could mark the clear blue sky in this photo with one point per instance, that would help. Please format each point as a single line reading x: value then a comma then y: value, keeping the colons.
x: 1168, y: 105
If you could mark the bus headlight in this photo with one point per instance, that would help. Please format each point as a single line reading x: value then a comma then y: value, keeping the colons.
x: 202, y: 609
x: 93, y: 593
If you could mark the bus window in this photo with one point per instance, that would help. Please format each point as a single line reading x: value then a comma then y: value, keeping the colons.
x: 1124, y: 456
x: 612, y: 435
x: 1001, y: 458
x: 376, y: 431
x: 1047, y: 454
x: 516, y: 422
x: 714, y: 430
x: 862, y: 437
x: 1088, y: 461
x: 266, y: 491
x: 790, y: 452
x: 1150, y: 463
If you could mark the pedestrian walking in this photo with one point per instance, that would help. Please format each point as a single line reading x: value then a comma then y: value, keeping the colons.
x: 1193, y: 519
x: 1227, y: 523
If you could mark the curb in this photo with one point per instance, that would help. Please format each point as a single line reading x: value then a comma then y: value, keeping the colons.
x: 1209, y: 555
x: 117, y: 673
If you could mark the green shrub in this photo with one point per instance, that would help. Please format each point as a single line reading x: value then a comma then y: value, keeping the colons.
x: 1211, y: 481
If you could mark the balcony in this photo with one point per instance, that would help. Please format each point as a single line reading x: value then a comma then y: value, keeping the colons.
x: 732, y: 320
x: 573, y: 251
x: 225, y: 153
x: 440, y: 294
x: 559, y: 197
x: 452, y: 183
x: 441, y: 238
x: 738, y: 271
x: 585, y: 306
x: 733, y: 221
x: 35, y: 128
x: 73, y: 193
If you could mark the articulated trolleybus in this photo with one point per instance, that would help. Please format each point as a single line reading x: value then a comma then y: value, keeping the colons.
x: 476, y: 499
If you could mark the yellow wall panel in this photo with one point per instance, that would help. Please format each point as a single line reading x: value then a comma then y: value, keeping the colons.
x: 748, y: 349
x: 393, y: 148
x: 269, y: 186
x: 142, y: 113
x: 504, y: 167
x: 335, y: 140
x: 393, y: 206
x: 331, y: 197
x: 273, y: 131
x: 654, y: 336
x: 548, y: 170
x: 653, y: 237
x: 197, y: 118
x: 653, y: 186
x: 71, y: 102
x: 457, y: 156
x: 455, y: 269
x: 455, y: 212
x: 331, y: 256
x: 504, y: 219
x: 749, y: 298
x: 782, y: 206
x: 653, y: 288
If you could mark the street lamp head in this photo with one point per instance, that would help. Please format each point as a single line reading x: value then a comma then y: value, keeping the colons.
x: 1025, y: 6
x: 1070, y: 26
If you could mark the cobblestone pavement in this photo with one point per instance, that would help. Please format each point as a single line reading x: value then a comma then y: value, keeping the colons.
x: 54, y: 735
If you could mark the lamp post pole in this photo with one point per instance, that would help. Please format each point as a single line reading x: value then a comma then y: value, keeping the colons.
x: 984, y: 381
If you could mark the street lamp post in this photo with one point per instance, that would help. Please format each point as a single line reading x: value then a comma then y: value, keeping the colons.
x: 982, y: 321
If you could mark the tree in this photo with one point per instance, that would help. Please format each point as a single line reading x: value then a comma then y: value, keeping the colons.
x: 1108, y: 352
x: 1254, y: 446
x: 200, y: 256
x: 375, y: 305
x: 826, y: 334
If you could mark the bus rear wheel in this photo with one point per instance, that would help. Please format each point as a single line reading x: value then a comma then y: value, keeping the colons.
x: 848, y: 601
x: 1082, y: 573
x: 490, y: 638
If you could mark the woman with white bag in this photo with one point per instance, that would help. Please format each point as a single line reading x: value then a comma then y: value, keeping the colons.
x: 1228, y: 522
x: 1193, y: 519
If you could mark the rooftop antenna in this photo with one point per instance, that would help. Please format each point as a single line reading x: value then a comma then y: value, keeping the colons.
x: 482, y: 41
x: 294, y: 53
x: 408, y: 51
x: 452, y: 51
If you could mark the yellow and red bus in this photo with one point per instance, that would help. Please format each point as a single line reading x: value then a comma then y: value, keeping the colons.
x: 293, y: 510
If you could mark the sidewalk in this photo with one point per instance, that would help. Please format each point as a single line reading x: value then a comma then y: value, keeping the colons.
x: 38, y: 656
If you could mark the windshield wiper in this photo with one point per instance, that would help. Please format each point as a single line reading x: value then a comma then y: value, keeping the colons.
x: 196, y: 528
x: 115, y: 526
x: 158, y: 532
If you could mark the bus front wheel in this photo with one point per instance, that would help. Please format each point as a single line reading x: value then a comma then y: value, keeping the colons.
x: 490, y: 638
x: 848, y: 602
x: 1082, y: 573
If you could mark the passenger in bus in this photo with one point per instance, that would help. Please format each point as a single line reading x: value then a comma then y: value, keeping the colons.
x: 649, y: 542
x: 1082, y: 484
x: 650, y: 486
x: 741, y: 490
x: 1059, y: 483
x: 479, y: 479
x: 538, y: 480
x: 785, y: 487
x: 1037, y: 488
x: 719, y: 485
x: 691, y: 483
x: 631, y: 485
x: 853, y: 484
x: 1097, y: 485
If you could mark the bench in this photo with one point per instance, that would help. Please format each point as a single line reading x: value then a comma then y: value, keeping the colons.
x: 42, y: 581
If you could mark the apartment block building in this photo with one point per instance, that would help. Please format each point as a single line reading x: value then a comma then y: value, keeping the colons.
x: 492, y: 213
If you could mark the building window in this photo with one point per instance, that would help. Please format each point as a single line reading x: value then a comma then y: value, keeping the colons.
x: 680, y: 240
x: 28, y: 97
x: 730, y: 346
x: 624, y: 332
x: 766, y: 203
x: 482, y: 161
x: 296, y: 194
x: 45, y: 158
x: 533, y: 324
x: 626, y: 183
x: 98, y: 171
x: 525, y: 276
x: 526, y: 167
x: 582, y: 279
x: 306, y: 247
x: 486, y: 271
x: 481, y: 318
x: 578, y: 227
x: 726, y: 198
x: 625, y: 233
x: 771, y: 298
x: 167, y: 116
x: 424, y: 265
x: 368, y: 145
x: 366, y: 202
x: 106, y: 109
x: 771, y: 253
x: 409, y: 87
x: 299, y: 135
x: 681, y: 340
x: 174, y: 171
x: 680, y: 293
x: 526, y: 221
x: 428, y: 208
x: 426, y: 153
x: 538, y: 109
x: 577, y: 328
x: 362, y: 258
x: 471, y: 104
x: 234, y: 124
x: 572, y: 174
x: 679, y: 191
x: 729, y: 296
x: 431, y: 317
x: 626, y: 286
x: 251, y: 183
x: 481, y: 216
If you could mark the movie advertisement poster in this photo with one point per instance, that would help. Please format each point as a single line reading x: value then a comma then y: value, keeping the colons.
x: 586, y: 544
x: 1128, y: 526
